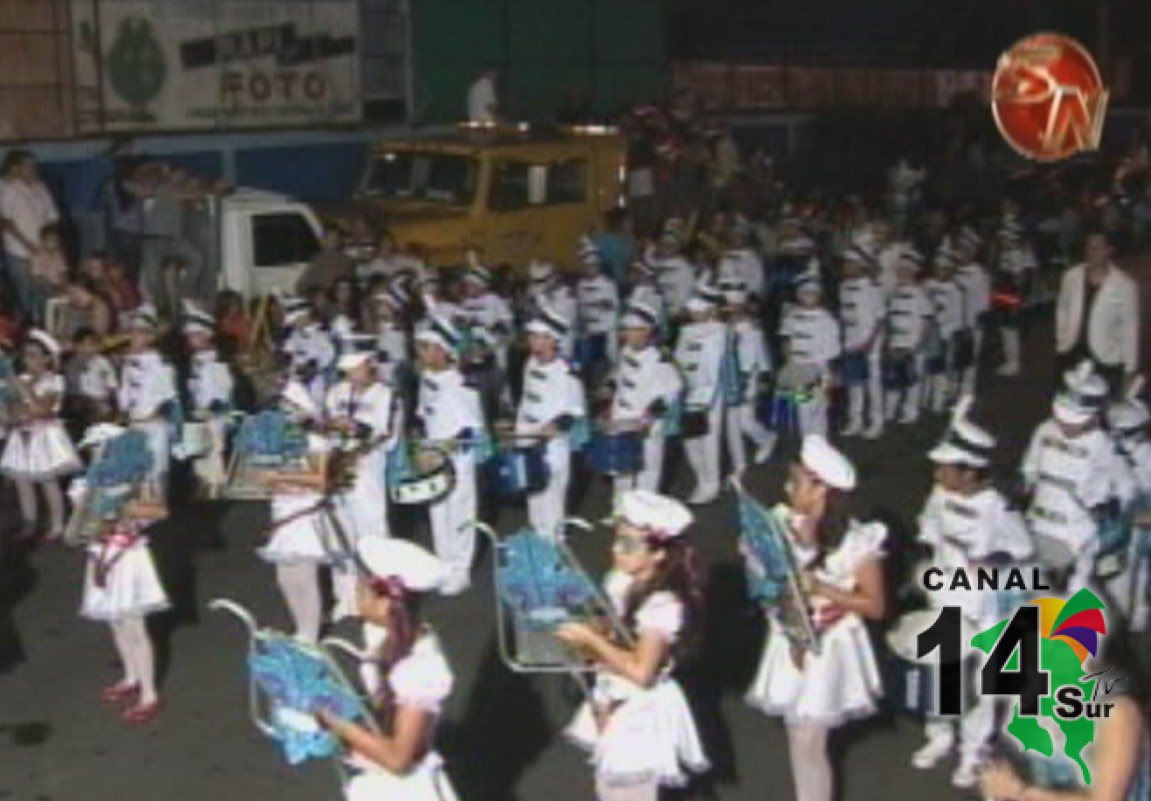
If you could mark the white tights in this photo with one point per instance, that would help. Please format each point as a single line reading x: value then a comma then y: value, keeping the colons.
x: 136, y: 655
x: 644, y: 791
x: 26, y: 496
x: 300, y: 584
x: 810, y: 766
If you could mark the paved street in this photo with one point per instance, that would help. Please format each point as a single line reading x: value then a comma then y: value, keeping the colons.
x: 501, y: 734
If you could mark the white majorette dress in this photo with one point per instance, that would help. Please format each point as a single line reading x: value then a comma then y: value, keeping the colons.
x: 843, y: 682
x: 120, y: 580
x: 40, y: 449
x: 422, y: 679
x: 650, y: 734
x: 300, y: 535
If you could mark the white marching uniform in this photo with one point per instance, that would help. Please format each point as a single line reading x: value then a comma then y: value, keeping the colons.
x: 648, y: 294
x: 551, y: 392
x: 650, y: 736
x: 752, y: 362
x: 362, y: 510
x: 842, y: 682
x: 598, y: 300
x: 423, y: 680
x: 946, y: 298
x: 699, y: 354
x: 964, y: 532
x: 1015, y: 263
x: 393, y: 348
x: 1131, y: 589
x: 210, y: 387
x: 97, y: 380
x: 813, y: 341
x: 909, y: 315
x: 862, y: 309
x: 559, y: 297
x: 493, y: 315
x: 40, y: 450
x: 976, y: 286
x: 302, y: 538
x: 744, y: 267
x: 645, y: 378
x: 675, y: 277
x: 309, y: 348
x: 147, y: 390
x: 1068, y: 478
x: 120, y: 579
x: 449, y: 408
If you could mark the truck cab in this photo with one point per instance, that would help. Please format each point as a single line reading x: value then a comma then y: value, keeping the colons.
x: 265, y: 240
x: 512, y: 194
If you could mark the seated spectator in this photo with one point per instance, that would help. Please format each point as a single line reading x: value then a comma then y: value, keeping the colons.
x: 233, y: 325
x: 81, y: 306
x: 49, y: 271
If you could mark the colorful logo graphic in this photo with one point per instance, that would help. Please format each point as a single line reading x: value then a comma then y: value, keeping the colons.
x: 1039, y: 655
x: 1048, y: 97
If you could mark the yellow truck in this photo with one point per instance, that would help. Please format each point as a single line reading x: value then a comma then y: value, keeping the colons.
x: 511, y: 193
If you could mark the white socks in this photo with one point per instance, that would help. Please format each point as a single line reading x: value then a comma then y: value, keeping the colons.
x: 137, y: 655
x: 300, y: 584
x: 810, y: 766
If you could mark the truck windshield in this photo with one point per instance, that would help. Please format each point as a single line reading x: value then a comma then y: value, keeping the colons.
x: 428, y: 177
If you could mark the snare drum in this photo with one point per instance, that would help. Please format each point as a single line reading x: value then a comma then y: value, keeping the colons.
x: 520, y: 470
x: 899, y: 371
x: 419, y: 475
x: 855, y: 368
x: 1114, y: 544
x: 913, y: 682
x: 779, y: 411
x: 591, y: 350
x: 616, y: 451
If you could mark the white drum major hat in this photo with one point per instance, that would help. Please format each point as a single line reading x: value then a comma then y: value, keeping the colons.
x: 399, y: 565
x: 827, y: 464
x: 355, y: 350
x: 548, y: 322
x: 964, y: 443
x: 664, y: 517
x: 1083, y: 396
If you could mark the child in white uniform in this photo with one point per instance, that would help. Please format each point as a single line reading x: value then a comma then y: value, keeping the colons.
x: 301, y: 538
x: 1131, y: 589
x: 210, y: 388
x: 637, y: 724
x: 38, y: 452
x: 751, y: 364
x: 148, y: 398
x: 397, y: 761
x: 862, y: 308
x: 968, y: 524
x: 700, y: 354
x: 946, y: 298
x: 121, y: 588
x: 909, y: 320
x: 841, y: 564
x: 812, y: 338
x: 552, y: 401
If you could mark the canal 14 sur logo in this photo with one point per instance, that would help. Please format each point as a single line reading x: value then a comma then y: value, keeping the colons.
x: 1037, y: 655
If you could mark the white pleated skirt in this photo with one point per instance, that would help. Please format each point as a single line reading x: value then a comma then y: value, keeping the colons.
x: 131, y: 588
x: 842, y: 683
x: 649, y: 737
x: 39, y: 452
x: 304, y: 539
x: 426, y: 782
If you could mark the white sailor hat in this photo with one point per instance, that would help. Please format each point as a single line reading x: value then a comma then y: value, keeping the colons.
x: 1083, y: 396
x: 705, y: 298
x: 98, y: 433
x: 296, y: 395
x: 540, y: 272
x: 396, y: 295
x: 639, y: 315
x: 197, y: 320
x: 45, y: 341
x: 860, y: 251
x: 398, y: 566
x: 588, y: 252
x: 797, y: 245
x: 663, y: 517
x: 294, y: 309
x: 355, y: 349
x: 435, y: 330
x: 478, y: 274
x: 964, y: 443
x: 734, y: 292
x: 910, y: 259
x: 1128, y: 417
x: 808, y: 281
x: 969, y: 238
x: 144, y: 318
x: 548, y: 322
x: 826, y: 463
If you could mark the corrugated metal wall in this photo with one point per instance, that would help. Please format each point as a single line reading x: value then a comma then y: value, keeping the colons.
x: 613, y: 49
x: 36, y: 82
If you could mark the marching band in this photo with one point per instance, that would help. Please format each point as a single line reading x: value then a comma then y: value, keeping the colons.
x: 395, y: 409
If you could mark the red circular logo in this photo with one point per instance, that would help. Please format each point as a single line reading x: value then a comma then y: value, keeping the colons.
x: 1048, y: 97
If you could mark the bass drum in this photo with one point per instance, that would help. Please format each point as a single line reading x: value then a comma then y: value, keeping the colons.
x: 419, y: 474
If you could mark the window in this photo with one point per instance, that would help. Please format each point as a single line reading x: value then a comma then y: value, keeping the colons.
x: 428, y: 177
x: 283, y: 239
x: 568, y: 182
x: 518, y: 184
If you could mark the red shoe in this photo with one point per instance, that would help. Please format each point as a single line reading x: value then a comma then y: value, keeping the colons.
x: 119, y: 692
x: 141, y: 714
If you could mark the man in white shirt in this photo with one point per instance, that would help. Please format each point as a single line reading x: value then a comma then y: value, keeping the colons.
x: 26, y: 207
x: 483, y: 101
x: 1097, y: 317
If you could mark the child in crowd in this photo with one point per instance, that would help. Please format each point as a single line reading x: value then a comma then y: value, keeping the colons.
x: 90, y: 380
x: 49, y: 271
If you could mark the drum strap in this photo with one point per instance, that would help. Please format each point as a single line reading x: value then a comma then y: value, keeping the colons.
x: 107, y: 558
